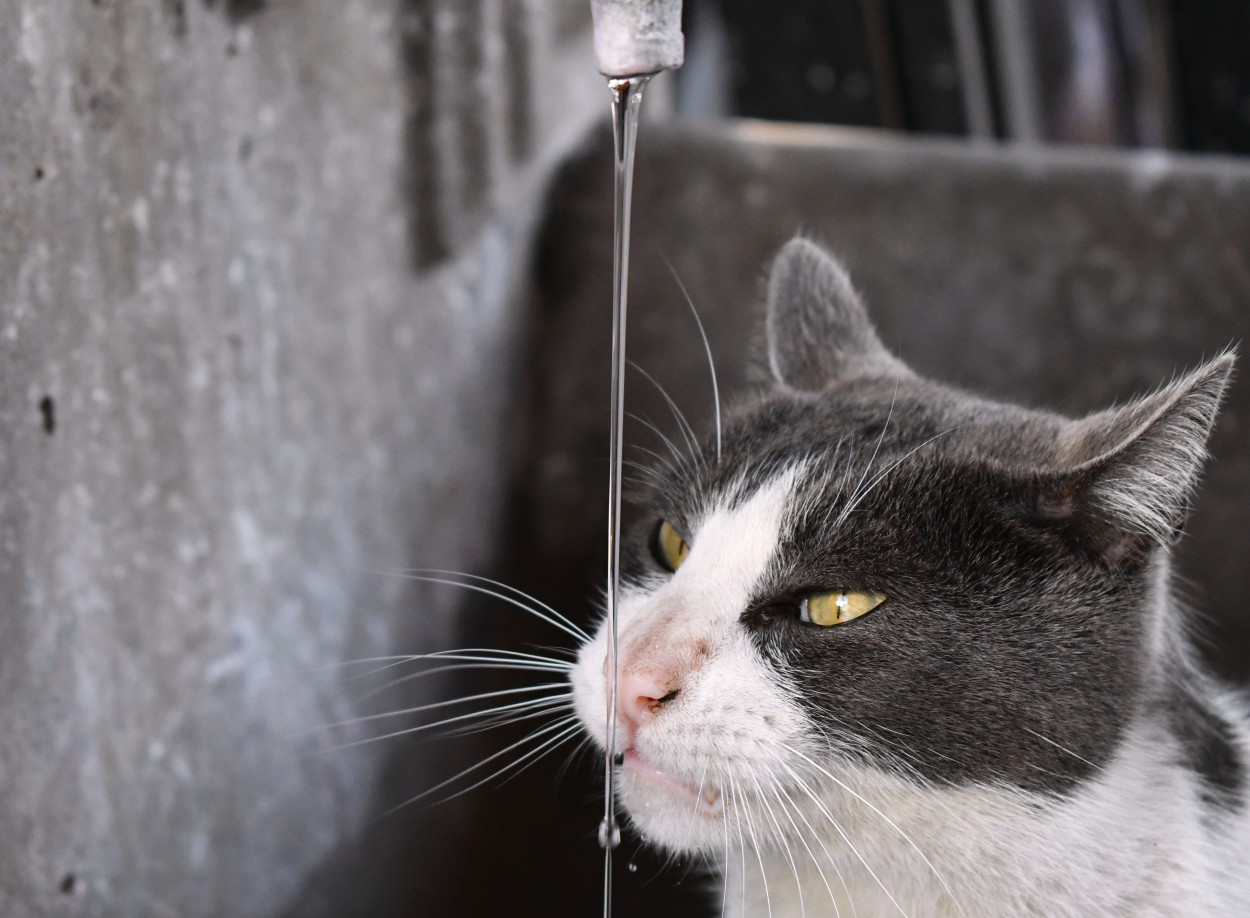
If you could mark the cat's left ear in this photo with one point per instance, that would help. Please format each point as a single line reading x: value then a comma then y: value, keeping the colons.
x: 818, y: 330
x: 1131, y: 471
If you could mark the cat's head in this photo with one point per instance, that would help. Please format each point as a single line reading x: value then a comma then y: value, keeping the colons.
x: 877, y: 575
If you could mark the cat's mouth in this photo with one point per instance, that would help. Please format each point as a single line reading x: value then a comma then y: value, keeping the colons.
x: 646, y: 777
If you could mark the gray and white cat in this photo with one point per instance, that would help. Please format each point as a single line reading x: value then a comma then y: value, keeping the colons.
x: 890, y: 648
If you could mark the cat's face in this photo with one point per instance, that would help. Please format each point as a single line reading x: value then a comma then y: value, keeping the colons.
x: 881, y: 578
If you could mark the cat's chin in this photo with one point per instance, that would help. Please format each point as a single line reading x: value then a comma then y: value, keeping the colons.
x: 669, y: 811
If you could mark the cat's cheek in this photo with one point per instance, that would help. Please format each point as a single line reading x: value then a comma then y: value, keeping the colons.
x: 590, y: 690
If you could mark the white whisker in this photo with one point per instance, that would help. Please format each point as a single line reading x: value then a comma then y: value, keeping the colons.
x: 503, y: 586
x: 663, y: 461
x: 443, y: 704
x: 783, y: 843
x: 560, y: 737
x: 855, y: 499
x: 393, y: 660
x: 829, y: 855
x: 755, y: 846
x: 873, y: 458
x: 546, y: 709
x: 783, y: 798
x: 707, y: 349
x: 687, y: 432
x: 888, y: 821
x: 824, y: 810
x: 555, y: 618
x: 682, y: 460
x: 545, y: 704
x: 513, y: 666
x: 1079, y: 758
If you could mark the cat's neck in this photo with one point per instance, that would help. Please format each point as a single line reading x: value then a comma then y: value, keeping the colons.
x: 1137, y: 840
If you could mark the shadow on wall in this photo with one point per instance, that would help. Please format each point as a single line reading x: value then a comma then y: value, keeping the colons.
x: 235, y: 10
x: 454, y: 152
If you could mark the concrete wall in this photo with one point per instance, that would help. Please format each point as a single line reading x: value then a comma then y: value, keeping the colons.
x: 262, y: 269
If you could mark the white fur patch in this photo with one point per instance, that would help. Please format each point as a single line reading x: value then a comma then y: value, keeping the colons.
x: 1132, y: 842
x: 720, y: 733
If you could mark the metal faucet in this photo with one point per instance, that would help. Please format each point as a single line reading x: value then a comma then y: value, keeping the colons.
x: 637, y: 37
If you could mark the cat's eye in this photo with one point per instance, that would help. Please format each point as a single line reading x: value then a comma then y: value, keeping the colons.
x: 669, y: 548
x: 837, y: 608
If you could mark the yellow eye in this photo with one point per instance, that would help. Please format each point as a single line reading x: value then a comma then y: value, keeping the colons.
x: 838, y: 608
x: 669, y: 547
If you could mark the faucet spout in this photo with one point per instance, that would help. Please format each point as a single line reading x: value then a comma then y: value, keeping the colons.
x: 637, y: 37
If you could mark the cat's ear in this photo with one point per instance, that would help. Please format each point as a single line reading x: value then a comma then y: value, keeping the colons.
x: 818, y: 331
x: 1131, y: 471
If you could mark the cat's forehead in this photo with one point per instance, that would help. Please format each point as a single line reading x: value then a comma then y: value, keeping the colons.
x: 868, y: 425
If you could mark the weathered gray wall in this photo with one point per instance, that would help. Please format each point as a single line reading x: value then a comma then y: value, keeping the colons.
x: 261, y: 275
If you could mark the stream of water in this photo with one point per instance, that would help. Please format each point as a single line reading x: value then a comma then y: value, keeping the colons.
x: 626, y: 104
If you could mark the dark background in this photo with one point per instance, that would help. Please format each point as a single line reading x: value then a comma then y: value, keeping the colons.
x: 1135, y: 73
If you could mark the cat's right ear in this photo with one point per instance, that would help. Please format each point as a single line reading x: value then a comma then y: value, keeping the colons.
x: 818, y: 330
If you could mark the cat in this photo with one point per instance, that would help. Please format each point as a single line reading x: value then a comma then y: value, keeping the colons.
x: 888, y: 648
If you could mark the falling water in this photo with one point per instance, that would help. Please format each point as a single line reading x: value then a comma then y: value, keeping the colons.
x: 626, y: 102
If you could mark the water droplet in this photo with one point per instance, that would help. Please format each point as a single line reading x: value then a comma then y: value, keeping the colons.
x: 633, y: 868
x: 609, y: 834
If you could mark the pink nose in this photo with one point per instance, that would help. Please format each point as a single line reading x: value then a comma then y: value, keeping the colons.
x: 640, y: 694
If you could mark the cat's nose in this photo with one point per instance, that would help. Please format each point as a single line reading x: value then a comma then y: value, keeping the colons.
x: 640, y: 694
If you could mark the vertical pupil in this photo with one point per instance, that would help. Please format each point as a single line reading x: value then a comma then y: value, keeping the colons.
x: 669, y: 547
x: 675, y: 546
